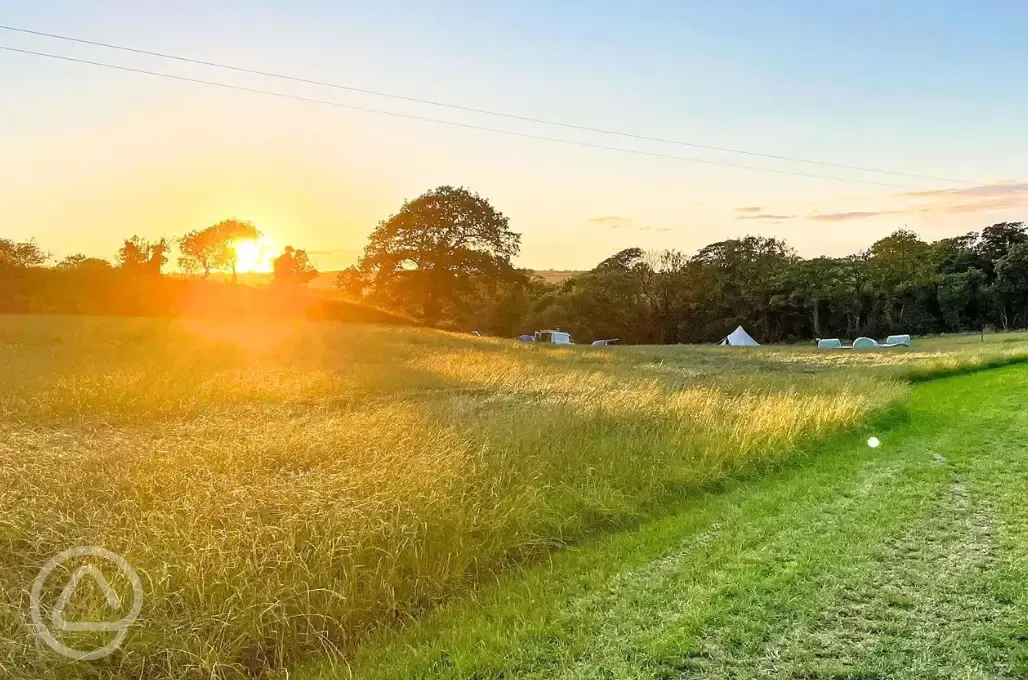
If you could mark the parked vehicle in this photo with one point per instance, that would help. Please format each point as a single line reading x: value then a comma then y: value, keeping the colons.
x: 554, y: 337
x: 604, y: 343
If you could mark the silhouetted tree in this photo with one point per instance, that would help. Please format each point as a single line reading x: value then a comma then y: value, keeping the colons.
x: 142, y: 256
x: 624, y: 259
x: 434, y: 245
x: 214, y: 248
x: 21, y: 254
x: 202, y: 251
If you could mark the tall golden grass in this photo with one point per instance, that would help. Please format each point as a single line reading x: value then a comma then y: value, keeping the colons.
x: 284, y: 489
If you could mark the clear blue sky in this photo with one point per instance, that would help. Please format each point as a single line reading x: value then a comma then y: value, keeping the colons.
x: 88, y: 156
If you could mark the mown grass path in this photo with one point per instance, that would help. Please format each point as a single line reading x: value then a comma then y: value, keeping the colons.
x: 910, y: 560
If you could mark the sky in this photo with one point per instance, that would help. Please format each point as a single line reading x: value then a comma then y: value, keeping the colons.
x: 91, y: 155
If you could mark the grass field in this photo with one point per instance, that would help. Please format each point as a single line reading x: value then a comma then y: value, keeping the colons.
x: 905, y: 561
x: 286, y: 490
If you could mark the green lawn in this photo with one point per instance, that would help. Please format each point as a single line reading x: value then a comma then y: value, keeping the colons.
x: 909, y: 560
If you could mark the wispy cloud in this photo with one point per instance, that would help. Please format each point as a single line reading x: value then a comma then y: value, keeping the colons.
x: 981, y: 198
x: 993, y: 197
x: 1005, y: 188
x: 764, y: 216
x: 619, y: 222
x: 754, y: 209
x: 609, y: 221
x: 843, y: 216
x: 640, y: 228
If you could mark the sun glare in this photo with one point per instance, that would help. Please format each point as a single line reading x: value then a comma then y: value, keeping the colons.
x: 256, y: 256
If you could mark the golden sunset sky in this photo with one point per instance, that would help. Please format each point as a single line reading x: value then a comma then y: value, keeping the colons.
x: 89, y: 156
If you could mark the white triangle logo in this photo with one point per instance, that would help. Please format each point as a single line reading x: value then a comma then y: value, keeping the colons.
x: 113, y: 601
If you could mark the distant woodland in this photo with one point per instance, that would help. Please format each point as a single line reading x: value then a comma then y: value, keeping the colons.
x: 445, y: 259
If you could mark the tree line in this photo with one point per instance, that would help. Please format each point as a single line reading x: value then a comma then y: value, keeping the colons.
x: 446, y: 259
x: 202, y: 251
x: 135, y: 282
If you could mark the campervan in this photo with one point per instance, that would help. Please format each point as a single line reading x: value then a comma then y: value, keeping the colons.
x: 554, y: 337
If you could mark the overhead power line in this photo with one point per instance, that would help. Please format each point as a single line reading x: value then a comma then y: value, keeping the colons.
x: 525, y: 135
x: 469, y: 126
x: 469, y: 109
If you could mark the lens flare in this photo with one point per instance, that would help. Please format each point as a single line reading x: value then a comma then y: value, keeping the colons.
x: 256, y: 256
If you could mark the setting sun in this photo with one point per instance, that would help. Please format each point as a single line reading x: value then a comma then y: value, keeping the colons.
x: 256, y: 256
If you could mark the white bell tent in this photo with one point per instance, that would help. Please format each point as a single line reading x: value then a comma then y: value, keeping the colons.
x: 739, y: 338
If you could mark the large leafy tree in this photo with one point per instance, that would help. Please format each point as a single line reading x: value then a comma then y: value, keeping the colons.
x: 201, y: 251
x: 902, y: 270
x: 623, y: 259
x: 662, y: 278
x: 738, y: 277
x: 214, y: 248
x: 900, y: 257
x: 995, y: 241
x: 431, y: 249
x: 957, y: 254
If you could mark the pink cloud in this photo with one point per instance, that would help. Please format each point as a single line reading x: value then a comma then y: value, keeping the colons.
x: 993, y: 197
x: 842, y: 216
x: 983, y: 190
x: 764, y: 216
